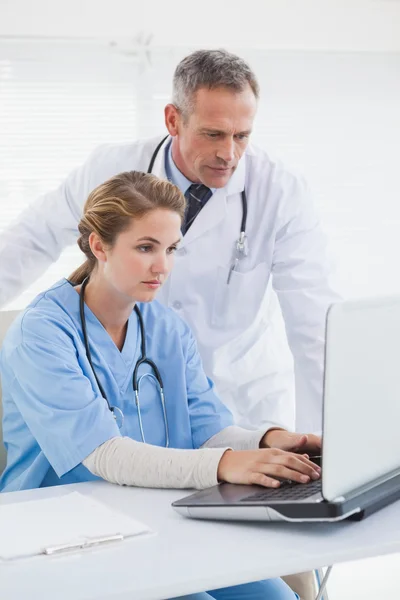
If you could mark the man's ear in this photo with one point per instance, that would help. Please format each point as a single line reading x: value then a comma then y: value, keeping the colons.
x: 172, y: 119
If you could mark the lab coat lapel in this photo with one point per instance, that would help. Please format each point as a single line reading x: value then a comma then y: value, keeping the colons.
x: 209, y: 217
x: 215, y: 209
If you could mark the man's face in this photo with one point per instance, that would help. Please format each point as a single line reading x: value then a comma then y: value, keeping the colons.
x: 207, y: 145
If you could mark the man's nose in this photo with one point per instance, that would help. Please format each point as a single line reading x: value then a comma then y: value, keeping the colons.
x: 226, y: 150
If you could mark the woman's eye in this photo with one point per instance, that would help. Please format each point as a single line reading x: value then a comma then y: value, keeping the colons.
x: 172, y: 249
x: 144, y: 248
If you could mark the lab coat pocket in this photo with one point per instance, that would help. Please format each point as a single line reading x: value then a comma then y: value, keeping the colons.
x: 236, y: 304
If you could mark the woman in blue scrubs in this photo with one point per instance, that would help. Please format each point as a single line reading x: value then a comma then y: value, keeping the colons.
x: 71, y: 413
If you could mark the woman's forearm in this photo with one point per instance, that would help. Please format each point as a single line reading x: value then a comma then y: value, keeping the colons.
x: 124, y: 461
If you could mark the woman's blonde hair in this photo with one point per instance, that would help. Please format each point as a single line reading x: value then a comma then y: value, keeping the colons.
x: 111, y: 206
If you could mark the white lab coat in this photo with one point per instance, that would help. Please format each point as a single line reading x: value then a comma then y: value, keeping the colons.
x: 239, y: 337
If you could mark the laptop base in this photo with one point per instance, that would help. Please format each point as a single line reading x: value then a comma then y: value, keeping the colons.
x: 231, y: 502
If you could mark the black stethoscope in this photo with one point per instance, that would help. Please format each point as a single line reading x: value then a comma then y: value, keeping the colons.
x: 241, y: 246
x: 117, y: 412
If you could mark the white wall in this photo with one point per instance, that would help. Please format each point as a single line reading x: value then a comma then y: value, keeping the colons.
x: 305, y: 24
x: 331, y: 116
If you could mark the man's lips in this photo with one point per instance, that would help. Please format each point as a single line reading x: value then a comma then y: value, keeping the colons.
x: 221, y: 168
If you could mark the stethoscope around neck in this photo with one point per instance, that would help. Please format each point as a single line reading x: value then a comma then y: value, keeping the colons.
x: 241, y: 246
x: 136, y: 380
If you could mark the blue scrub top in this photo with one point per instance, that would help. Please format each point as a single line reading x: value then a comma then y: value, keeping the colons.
x: 53, y: 413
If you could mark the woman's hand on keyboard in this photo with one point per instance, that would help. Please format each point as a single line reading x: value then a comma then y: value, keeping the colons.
x: 263, y: 466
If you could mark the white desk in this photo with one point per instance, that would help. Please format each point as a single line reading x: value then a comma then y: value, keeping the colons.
x: 187, y: 556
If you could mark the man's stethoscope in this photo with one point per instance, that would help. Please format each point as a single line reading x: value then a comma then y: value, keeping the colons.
x: 117, y: 412
x: 241, y: 246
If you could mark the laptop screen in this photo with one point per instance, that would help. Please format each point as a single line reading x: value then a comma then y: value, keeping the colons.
x: 361, y: 440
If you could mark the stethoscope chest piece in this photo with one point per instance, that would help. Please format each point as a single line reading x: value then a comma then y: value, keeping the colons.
x: 242, y: 246
x: 241, y: 250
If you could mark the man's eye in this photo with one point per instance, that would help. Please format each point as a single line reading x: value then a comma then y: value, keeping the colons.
x: 213, y: 135
x: 242, y: 136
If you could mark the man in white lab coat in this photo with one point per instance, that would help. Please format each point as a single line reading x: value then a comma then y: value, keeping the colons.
x: 249, y: 224
x: 221, y: 288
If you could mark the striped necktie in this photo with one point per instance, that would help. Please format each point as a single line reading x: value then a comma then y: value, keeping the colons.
x: 197, y: 195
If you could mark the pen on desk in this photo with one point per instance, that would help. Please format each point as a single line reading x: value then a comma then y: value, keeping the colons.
x: 82, y: 544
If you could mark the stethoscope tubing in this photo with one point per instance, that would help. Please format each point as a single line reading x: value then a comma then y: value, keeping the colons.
x: 135, y: 380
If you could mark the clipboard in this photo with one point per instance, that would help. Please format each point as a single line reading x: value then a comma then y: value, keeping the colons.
x: 68, y: 523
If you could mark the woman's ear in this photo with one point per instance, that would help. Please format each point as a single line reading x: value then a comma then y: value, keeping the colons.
x: 97, y: 247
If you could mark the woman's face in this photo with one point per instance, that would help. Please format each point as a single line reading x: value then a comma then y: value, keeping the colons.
x: 142, y: 256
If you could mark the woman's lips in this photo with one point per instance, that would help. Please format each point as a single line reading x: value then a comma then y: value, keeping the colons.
x: 152, y: 284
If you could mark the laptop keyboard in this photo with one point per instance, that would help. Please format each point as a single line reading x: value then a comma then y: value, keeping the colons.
x: 288, y: 490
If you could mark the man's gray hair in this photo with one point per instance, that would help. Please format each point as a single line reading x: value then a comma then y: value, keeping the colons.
x: 210, y: 69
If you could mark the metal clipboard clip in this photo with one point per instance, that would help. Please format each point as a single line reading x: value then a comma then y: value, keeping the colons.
x: 82, y: 544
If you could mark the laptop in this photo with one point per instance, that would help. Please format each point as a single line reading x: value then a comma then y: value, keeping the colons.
x: 361, y: 430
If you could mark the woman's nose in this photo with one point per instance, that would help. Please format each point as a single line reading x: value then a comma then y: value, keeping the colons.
x: 160, y: 265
